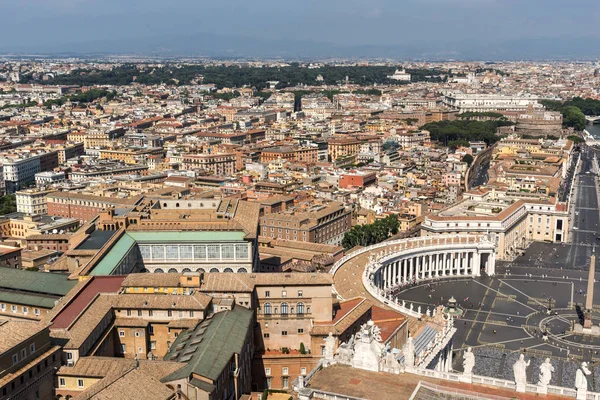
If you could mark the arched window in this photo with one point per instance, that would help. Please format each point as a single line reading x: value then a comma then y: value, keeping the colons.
x: 242, y: 270
x: 267, y: 308
x: 214, y: 270
x: 308, y: 310
x: 158, y: 271
x: 172, y: 270
x: 186, y: 270
x: 284, y: 308
x: 227, y: 270
x: 300, y: 308
x: 200, y: 270
x: 177, y: 205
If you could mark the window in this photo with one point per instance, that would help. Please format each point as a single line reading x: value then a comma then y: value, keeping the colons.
x: 15, y: 358
x: 322, y: 350
x: 300, y: 308
x: 3, y: 307
x: 266, y: 335
x: 285, y: 382
x: 145, y: 251
x: 25, y: 310
x: 140, y: 350
x: 267, y: 308
x: 149, y: 313
x: 80, y: 383
x: 172, y: 252
x: 214, y: 251
x: 269, y: 383
x: 150, y: 329
x: 169, y: 313
x: 283, y: 333
x: 227, y: 251
x: 61, y: 382
x: 284, y: 370
x: 200, y: 252
x: 299, y: 293
x: 300, y: 330
x: 303, y: 371
x: 186, y: 252
x: 137, y: 334
x: 308, y: 310
x: 121, y: 333
x: 139, y: 313
x: 32, y: 348
x: 284, y: 309
x: 158, y: 252
x: 267, y: 371
x: 69, y: 356
x: 13, y: 309
x: 191, y: 314
x: 241, y: 251
x: 23, y: 353
x: 129, y: 313
x: 284, y: 293
x: 36, y: 311
x: 267, y: 293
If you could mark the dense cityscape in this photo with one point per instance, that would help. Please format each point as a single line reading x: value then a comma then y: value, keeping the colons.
x: 333, y: 229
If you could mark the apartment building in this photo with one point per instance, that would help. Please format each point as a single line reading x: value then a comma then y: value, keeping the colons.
x: 342, y: 147
x: 318, y: 224
x: 219, y: 164
x: 32, y: 201
x: 82, y: 207
x: 514, y: 224
x: 28, y: 359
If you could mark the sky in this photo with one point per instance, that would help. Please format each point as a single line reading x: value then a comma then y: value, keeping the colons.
x: 56, y: 25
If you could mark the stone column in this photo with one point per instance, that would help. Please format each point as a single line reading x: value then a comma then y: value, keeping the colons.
x: 405, y: 270
x: 451, y: 263
x: 491, y: 264
x: 411, y: 272
x: 418, y: 267
x: 476, y: 263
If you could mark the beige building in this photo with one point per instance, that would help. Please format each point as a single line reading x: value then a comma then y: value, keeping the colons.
x: 513, y: 223
x: 218, y: 164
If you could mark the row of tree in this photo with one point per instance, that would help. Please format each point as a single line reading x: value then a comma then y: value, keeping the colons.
x: 366, y: 235
x: 238, y: 76
x: 84, y: 97
x: 460, y: 132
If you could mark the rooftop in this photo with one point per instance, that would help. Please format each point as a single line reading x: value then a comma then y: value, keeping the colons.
x: 35, y: 282
x: 210, y: 346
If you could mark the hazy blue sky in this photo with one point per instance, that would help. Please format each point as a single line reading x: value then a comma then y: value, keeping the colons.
x: 342, y: 22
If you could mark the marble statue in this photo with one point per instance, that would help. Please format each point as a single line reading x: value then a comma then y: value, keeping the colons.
x: 403, y: 303
x: 345, y: 352
x: 419, y: 310
x: 409, y: 353
x: 581, y: 382
x: 411, y: 306
x: 329, y: 347
x: 520, y: 372
x: 428, y: 312
x: 468, y: 362
x: 546, y: 370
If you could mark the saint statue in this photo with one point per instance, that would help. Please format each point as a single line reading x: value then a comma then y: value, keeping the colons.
x: 329, y: 346
x: 409, y: 352
x: 468, y: 362
x: 546, y: 370
x: 581, y: 382
x: 520, y: 372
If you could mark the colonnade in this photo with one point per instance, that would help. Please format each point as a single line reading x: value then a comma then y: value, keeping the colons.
x: 432, y: 265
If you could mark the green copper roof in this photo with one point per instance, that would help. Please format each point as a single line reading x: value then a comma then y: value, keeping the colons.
x: 187, y: 236
x: 35, y: 281
x: 27, y: 300
x: 110, y: 261
x: 120, y: 249
x: 209, y: 347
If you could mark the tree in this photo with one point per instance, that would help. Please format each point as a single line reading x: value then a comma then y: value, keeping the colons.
x: 468, y: 159
x: 302, y: 348
x: 8, y: 204
x: 366, y: 235
x: 575, y: 139
x: 573, y: 117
